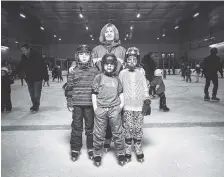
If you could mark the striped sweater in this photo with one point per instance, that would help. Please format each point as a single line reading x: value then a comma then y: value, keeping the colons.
x: 135, y: 89
x: 79, y: 88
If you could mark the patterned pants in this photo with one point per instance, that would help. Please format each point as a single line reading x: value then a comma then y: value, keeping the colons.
x: 133, y: 121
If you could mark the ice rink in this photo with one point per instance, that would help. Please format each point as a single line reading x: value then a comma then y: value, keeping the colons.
x: 188, y: 141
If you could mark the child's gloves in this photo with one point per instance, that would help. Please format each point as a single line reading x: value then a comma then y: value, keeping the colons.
x: 157, y: 86
x: 146, y: 109
x: 68, y: 91
x: 69, y: 104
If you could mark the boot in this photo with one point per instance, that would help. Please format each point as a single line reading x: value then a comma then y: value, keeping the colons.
x: 214, y: 98
x: 107, y: 144
x: 206, y: 98
x: 162, y: 105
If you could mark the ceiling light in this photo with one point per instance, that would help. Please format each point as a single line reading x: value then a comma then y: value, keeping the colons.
x: 16, y: 42
x: 196, y: 14
x: 80, y: 15
x: 87, y: 28
x: 41, y: 28
x: 125, y: 39
x: 91, y: 35
x: 157, y: 38
x: 138, y: 15
x: 92, y: 39
x: 22, y: 15
x: 205, y: 39
x: 127, y: 35
x: 176, y: 27
x: 55, y: 36
x: 164, y: 35
x: 131, y: 27
x: 59, y: 39
x: 4, y: 47
x: 217, y: 45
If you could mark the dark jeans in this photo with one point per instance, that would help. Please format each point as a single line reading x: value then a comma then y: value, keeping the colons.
x: 6, y: 100
x: 214, y: 80
x: 35, y: 88
x: 162, y: 101
x: 78, y: 114
x: 188, y: 78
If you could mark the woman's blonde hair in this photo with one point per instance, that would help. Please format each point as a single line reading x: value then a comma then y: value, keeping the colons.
x: 103, y: 30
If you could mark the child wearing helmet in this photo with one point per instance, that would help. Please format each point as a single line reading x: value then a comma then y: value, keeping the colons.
x: 107, y: 98
x: 6, y: 81
x: 198, y: 72
x: 188, y: 74
x: 136, y: 96
x: 79, y: 100
x: 160, y: 89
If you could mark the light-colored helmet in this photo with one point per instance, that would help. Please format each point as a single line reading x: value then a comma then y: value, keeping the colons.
x: 158, y: 72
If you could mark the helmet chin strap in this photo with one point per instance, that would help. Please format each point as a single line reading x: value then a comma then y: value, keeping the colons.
x: 110, y: 74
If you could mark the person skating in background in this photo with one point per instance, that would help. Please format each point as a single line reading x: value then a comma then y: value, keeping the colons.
x: 6, y: 81
x: 164, y: 73
x: 35, y: 70
x: 48, y: 71
x: 183, y: 71
x: 149, y: 65
x: 136, y: 94
x: 22, y: 77
x: 173, y: 69
x: 169, y: 71
x: 198, y: 72
x: 210, y: 67
x: 79, y: 100
x: 108, y: 101
x: 188, y: 74
x: 160, y: 89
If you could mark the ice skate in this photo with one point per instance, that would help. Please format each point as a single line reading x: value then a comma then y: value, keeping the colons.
x: 90, y: 154
x: 165, y: 109
x: 206, y: 98
x: 140, y: 157
x: 121, y: 159
x: 214, y: 98
x: 97, y: 160
x: 74, y: 155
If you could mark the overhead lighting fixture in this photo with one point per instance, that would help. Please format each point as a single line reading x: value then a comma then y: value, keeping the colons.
x: 157, y: 38
x: 80, y: 14
x: 42, y: 28
x: 92, y: 39
x: 55, y: 36
x: 91, y: 35
x: 126, y: 35
x: 131, y: 27
x: 59, y: 39
x: 125, y: 39
x: 217, y: 45
x: 138, y: 15
x: 16, y: 42
x: 87, y: 28
x: 22, y: 15
x: 4, y: 48
x: 205, y: 39
x: 176, y: 27
x: 196, y: 14
x: 164, y: 35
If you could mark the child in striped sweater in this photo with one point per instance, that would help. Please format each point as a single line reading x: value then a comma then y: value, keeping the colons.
x: 79, y: 100
x: 136, y: 97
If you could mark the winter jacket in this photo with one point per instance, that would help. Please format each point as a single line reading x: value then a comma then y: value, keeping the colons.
x: 6, y: 82
x: 149, y: 65
x: 157, y: 80
x: 33, y: 66
x: 211, y: 65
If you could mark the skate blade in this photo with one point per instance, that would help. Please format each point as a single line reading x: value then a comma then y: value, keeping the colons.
x: 128, y: 160
x: 106, y: 149
x: 97, y: 164
x: 122, y: 163
x: 91, y: 157
x: 141, y: 160
x: 74, y: 159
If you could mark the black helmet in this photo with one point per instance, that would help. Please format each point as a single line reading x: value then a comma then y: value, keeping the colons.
x: 214, y: 51
x: 83, y: 48
x: 109, y: 58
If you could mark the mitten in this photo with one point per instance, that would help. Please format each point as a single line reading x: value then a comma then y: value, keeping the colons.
x: 69, y: 104
x: 146, y: 108
x: 68, y: 91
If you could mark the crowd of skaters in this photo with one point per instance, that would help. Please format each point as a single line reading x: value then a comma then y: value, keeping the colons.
x: 106, y: 76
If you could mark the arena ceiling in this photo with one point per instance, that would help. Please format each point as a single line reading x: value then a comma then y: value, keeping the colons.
x: 63, y: 20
